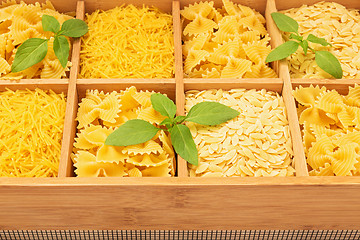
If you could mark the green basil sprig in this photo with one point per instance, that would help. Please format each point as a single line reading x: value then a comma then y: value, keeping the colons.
x: 138, y: 131
x: 34, y: 50
x: 325, y: 60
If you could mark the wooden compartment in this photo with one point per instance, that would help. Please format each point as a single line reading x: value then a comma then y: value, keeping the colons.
x: 179, y: 203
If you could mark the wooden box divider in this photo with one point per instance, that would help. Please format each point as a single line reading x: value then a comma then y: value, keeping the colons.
x: 179, y: 78
x: 180, y: 203
x: 66, y: 169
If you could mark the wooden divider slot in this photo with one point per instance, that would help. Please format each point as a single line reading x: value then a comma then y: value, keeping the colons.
x: 65, y: 167
x: 179, y: 76
x: 283, y: 71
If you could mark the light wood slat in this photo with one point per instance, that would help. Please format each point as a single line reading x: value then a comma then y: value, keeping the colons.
x: 294, y: 125
x: 180, y: 203
x: 57, y: 85
x: 66, y: 167
x: 275, y: 35
x: 283, y: 71
x: 179, y: 75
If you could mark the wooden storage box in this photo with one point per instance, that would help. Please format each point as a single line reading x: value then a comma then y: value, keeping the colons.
x: 180, y: 202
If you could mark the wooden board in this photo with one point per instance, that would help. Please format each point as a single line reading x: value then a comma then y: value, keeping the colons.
x: 181, y: 203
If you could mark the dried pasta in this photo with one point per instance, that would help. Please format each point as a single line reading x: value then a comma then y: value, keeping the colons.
x: 331, y: 130
x: 256, y: 143
x: 19, y: 22
x: 98, y: 116
x: 228, y: 42
x: 128, y: 42
x: 31, y: 132
x: 339, y: 26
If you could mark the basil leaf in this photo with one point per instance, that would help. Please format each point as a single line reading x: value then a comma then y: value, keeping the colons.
x: 312, y: 38
x: 74, y: 28
x: 166, y: 121
x: 211, y: 113
x: 184, y: 144
x: 50, y: 24
x: 305, y: 46
x: 329, y: 63
x: 31, y: 52
x: 282, y: 51
x: 132, y: 132
x: 179, y: 119
x: 285, y: 23
x: 61, y: 48
x: 296, y: 37
x: 163, y: 105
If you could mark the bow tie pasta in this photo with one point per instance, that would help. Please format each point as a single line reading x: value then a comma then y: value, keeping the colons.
x: 19, y: 22
x: 331, y: 130
x: 227, y: 42
x: 98, y: 116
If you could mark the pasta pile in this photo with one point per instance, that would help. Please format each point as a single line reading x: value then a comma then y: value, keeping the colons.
x: 256, y: 143
x: 339, y: 26
x: 228, y: 42
x: 128, y: 42
x: 19, y: 22
x: 98, y: 116
x: 31, y: 131
x: 331, y: 130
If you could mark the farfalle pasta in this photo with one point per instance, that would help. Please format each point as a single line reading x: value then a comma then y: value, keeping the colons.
x: 227, y: 42
x: 19, y: 22
x: 99, y: 115
x: 331, y: 130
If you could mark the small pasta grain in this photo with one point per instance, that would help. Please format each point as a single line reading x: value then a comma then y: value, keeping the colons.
x: 247, y: 147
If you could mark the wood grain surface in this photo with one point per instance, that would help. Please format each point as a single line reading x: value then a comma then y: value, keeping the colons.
x: 65, y: 165
x: 180, y: 203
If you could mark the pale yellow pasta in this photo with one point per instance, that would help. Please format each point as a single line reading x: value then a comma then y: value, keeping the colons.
x: 331, y: 131
x: 235, y: 68
x: 87, y: 166
x: 345, y: 158
x: 256, y: 143
x: 225, y: 37
x: 200, y: 25
x: 339, y: 26
x: 195, y: 57
x: 19, y: 22
x: 353, y: 98
x: 99, y: 114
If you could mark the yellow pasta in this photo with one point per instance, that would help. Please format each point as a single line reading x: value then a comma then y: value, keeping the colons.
x: 93, y: 158
x: 128, y: 42
x: 230, y: 37
x: 331, y: 130
x: 19, y: 22
x: 235, y: 68
x: 31, y: 132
